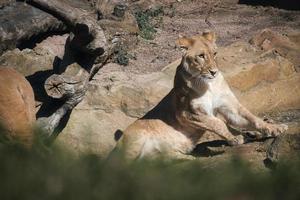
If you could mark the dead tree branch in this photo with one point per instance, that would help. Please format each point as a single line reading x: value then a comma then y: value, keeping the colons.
x: 210, y: 11
x: 87, y: 35
x: 87, y: 39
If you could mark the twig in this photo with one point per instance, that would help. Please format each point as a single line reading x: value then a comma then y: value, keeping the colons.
x: 210, y: 11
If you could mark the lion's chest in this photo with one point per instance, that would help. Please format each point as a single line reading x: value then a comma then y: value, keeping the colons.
x: 203, y: 104
x: 208, y: 102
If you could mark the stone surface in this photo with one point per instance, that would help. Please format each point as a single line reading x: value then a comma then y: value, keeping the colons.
x: 20, y: 22
x: 113, y: 101
x: 284, y: 147
x: 285, y: 45
x: 36, y: 64
x: 265, y: 81
x: 91, y: 130
x: 40, y: 58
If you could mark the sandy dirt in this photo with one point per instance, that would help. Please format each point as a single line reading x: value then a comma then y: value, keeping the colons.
x: 232, y: 22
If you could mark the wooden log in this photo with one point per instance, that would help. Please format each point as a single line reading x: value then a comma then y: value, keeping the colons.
x: 87, y: 35
x: 62, y: 86
x: 49, y: 124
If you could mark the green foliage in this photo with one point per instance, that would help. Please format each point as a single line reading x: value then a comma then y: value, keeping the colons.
x: 144, y: 20
x: 121, y: 56
x: 57, y: 174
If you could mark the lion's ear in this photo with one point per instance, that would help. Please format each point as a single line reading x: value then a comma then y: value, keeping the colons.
x: 184, y: 43
x: 210, y: 36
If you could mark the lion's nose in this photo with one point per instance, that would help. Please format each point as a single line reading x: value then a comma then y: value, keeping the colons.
x: 213, y: 72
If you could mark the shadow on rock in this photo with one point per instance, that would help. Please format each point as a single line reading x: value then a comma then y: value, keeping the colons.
x: 204, y: 149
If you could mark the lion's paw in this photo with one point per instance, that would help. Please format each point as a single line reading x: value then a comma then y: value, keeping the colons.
x: 237, y: 140
x: 273, y: 130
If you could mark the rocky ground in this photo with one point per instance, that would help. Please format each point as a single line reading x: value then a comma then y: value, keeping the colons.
x: 231, y: 21
x: 259, y: 50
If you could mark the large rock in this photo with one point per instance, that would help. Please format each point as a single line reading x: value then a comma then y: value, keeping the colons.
x: 20, y: 22
x: 263, y: 80
x: 36, y: 64
x: 40, y: 58
x: 284, y: 147
x: 287, y: 46
x: 113, y: 101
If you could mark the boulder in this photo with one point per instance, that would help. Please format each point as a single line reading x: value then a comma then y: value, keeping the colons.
x: 264, y: 77
x: 287, y: 45
x: 20, y: 24
x: 37, y: 64
x: 113, y: 101
x: 284, y: 147
x: 41, y: 58
x: 263, y: 80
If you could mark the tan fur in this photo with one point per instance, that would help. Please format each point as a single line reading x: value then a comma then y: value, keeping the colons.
x: 17, y: 106
x: 201, y: 100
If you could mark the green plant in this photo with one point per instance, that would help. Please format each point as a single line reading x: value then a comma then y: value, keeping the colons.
x: 121, y: 56
x: 144, y: 20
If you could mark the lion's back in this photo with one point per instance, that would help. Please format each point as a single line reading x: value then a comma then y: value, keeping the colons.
x: 17, y: 105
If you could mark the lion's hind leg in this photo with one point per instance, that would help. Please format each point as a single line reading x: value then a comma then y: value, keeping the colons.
x: 179, y: 156
x: 135, y: 147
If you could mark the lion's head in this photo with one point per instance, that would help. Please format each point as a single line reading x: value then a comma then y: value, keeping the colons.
x: 199, y: 59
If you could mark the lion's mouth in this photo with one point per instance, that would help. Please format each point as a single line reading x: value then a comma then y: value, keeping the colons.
x: 208, y: 76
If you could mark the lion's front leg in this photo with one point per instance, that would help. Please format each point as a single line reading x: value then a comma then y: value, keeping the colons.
x: 210, y: 123
x: 242, y: 118
x: 268, y: 129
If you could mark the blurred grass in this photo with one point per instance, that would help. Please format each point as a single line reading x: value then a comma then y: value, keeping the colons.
x: 56, y: 174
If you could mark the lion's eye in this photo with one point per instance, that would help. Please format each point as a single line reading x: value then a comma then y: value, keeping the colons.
x: 200, y: 59
x: 183, y: 48
x: 215, y: 54
x: 201, y: 56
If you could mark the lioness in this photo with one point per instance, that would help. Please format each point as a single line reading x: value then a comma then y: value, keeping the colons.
x: 17, y: 107
x: 201, y: 100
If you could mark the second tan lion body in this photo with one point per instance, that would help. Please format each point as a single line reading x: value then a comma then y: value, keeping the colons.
x: 17, y: 107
